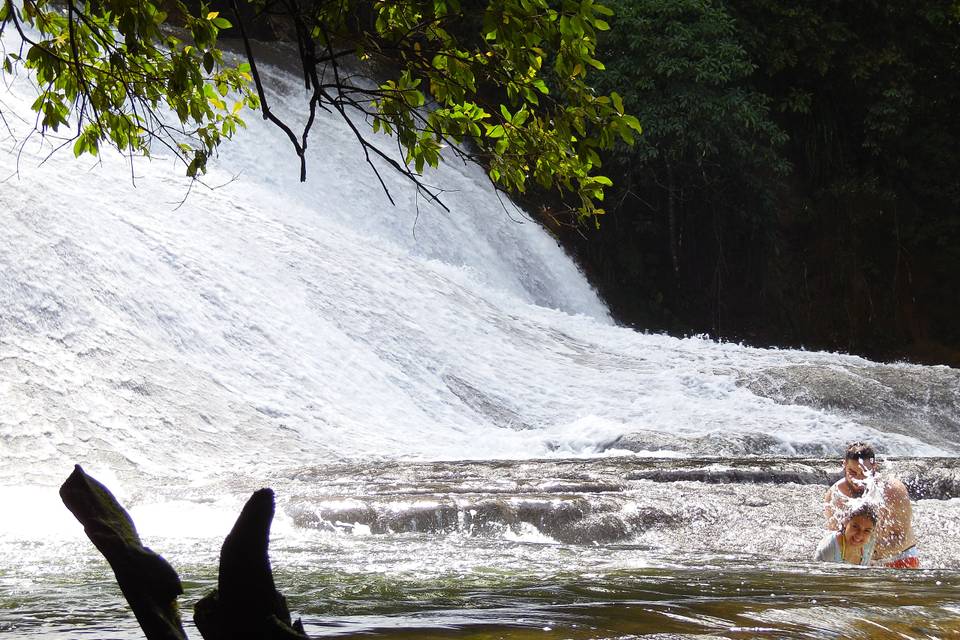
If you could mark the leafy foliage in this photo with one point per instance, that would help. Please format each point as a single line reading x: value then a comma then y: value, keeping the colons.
x: 515, y: 84
x: 512, y: 86
x: 110, y: 66
x: 682, y: 70
x: 696, y: 181
x: 868, y: 92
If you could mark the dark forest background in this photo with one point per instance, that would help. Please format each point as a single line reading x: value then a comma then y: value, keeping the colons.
x: 798, y: 179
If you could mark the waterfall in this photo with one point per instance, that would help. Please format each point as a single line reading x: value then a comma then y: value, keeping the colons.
x: 155, y: 326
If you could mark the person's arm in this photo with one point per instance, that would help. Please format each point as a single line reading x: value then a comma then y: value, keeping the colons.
x: 868, y: 550
x: 830, y: 511
x: 897, y: 515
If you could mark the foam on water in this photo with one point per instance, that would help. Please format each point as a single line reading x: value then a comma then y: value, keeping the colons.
x: 270, y: 323
x: 48, y: 519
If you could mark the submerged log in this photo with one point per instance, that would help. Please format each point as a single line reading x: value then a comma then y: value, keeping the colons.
x: 246, y: 605
x: 148, y: 582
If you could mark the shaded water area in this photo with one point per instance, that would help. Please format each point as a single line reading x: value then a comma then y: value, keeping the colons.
x: 581, y: 548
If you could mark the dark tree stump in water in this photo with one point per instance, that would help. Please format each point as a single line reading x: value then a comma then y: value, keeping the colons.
x: 148, y: 582
x: 247, y: 605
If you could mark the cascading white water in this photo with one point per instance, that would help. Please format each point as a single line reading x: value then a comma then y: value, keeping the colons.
x: 187, y: 345
x: 264, y: 320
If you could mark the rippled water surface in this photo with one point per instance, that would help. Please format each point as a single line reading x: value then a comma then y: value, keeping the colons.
x: 527, y: 549
x: 526, y: 594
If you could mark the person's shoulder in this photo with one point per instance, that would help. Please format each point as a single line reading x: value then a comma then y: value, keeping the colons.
x: 897, y: 483
x: 828, y: 539
x: 836, y: 488
x: 826, y: 548
x: 893, y: 487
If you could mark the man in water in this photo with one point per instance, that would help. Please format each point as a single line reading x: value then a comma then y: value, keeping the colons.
x: 896, y: 545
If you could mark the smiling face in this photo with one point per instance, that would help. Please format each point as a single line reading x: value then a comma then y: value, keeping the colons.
x: 856, y: 471
x: 858, y: 530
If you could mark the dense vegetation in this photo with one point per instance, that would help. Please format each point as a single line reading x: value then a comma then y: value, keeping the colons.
x: 798, y: 180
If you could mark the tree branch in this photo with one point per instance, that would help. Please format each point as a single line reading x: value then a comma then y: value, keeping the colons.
x: 264, y: 106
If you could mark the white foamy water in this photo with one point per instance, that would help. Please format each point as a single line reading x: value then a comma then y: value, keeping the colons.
x: 270, y: 322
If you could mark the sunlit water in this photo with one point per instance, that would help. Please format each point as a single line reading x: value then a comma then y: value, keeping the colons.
x: 356, y: 356
x: 601, y: 548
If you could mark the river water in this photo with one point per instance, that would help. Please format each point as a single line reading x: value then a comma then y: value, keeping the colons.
x: 615, y: 547
x: 462, y: 443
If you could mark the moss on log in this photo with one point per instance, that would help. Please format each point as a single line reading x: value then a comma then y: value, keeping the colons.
x: 148, y: 582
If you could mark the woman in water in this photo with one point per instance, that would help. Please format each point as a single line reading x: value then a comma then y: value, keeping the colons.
x: 853, y: 543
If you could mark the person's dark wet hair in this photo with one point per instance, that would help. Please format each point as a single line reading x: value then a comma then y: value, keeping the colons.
x: 861, y: 451
x: 863, y: 510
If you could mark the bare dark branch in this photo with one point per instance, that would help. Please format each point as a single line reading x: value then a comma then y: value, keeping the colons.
x: 264, y: 105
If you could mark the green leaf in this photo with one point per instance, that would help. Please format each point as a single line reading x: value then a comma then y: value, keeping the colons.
x: 494, y: 131
x: 617, y: 102
x: 633, y: 123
